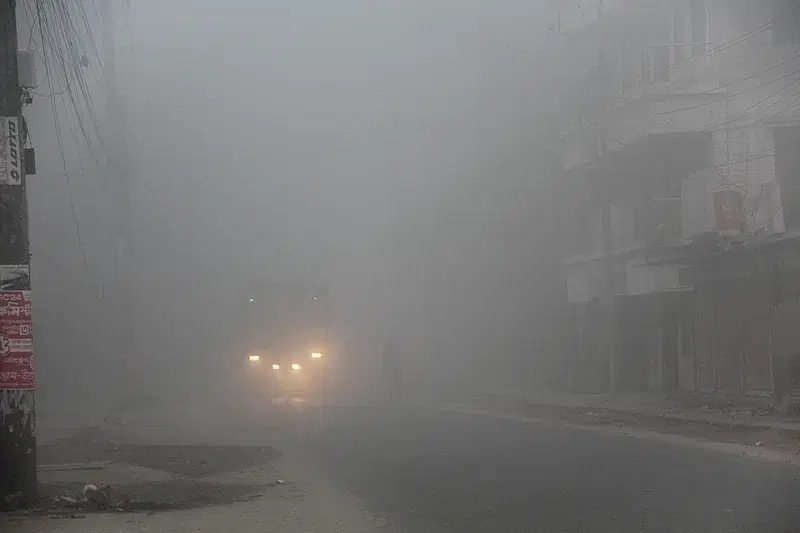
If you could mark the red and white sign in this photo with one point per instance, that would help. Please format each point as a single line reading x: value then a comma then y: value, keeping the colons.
x: 17, y: 362
x: 728, y: 211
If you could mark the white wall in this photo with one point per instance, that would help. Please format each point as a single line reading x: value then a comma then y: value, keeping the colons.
x: 742, y: 161
x: 736, y: 90
x: 648, y: 279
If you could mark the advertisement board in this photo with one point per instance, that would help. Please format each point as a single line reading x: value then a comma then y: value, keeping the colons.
x: 10, y: 171
x: 728, y: 212
x: 17, y: 360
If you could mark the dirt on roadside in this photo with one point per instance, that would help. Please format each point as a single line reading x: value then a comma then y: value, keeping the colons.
x: 149, y: 477
x: 168, y: 495
x: 93, y: 444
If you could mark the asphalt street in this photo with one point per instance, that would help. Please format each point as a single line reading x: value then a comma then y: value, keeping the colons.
x: 427, y: 469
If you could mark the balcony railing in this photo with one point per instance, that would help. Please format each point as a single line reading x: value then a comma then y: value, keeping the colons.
x: 659, y: 60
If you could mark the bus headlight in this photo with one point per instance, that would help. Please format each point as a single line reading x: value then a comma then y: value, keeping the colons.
x: 276, y: 367
x: 316, y: 355
x: 295, y: 367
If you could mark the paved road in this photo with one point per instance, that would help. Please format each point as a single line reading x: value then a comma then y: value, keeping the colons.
x: 435, y: 470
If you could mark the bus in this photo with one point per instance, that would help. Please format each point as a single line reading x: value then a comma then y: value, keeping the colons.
x: 283, y: 340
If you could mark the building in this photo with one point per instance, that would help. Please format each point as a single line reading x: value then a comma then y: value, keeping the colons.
x: 684, y: 173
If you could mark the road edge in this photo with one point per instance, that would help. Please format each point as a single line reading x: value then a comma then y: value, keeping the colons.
x: 738, y: 450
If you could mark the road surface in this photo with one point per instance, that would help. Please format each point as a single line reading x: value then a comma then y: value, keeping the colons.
x: 427, y: 469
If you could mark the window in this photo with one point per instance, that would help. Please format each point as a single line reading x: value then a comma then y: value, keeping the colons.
x: 658, y: 221
x: 787, y: 159
x: 680, y: 36
x: 698, y: 21
x: 686, y: 34
x: 661, y: 64
x: 690, y: 29
x: 786, y: 17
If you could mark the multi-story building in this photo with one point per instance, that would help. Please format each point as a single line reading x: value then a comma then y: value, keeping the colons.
x: 686, y: 171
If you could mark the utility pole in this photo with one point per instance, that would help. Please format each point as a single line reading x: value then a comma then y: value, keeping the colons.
x: 116, y: 174
x: 18, y: 483
x: 607, y: 242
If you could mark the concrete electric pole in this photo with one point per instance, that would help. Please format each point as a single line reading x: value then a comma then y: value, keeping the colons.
x: 18, y: 483
x: 118, y: 179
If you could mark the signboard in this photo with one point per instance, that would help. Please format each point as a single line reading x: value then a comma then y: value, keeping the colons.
x: 15, y: 278
x: 10, y: 172
x: 728, y: 212
x: 17, y: 360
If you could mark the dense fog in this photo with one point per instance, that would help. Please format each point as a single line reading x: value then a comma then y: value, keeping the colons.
x: 394, y: 151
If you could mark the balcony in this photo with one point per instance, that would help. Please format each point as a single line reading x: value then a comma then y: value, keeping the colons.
x: 645, y: 181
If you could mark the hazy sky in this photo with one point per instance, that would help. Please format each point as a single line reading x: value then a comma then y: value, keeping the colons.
x: 386, y: 147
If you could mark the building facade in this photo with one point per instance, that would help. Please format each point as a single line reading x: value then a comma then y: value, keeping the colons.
x: 684, y: 171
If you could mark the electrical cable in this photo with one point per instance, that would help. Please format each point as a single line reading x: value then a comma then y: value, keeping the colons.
x: 743, y: 115
x: 739, y: 39
x: 31, y: 32
x: 60, y: 141
x: 59, y: 34
x: 723, y: 95
x: 733, y: 42
x: 74, y: 133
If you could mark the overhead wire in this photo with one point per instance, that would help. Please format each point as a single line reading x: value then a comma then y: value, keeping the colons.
x: 768, y: 69
x: 794, y: 101
x: 74, y: 133
x: 32, y: 31
x: 744, y: 114
x: 62, y: 152
x: 746, y: 160
x: 49, y: 95
x: 73, y: 61
x: 59, y: 33
x: 727, y: 96
x: 715, y: 168
x: 733, y: 42
x: 742, y: 38
x: 726, y: 45
x: 724, y: 95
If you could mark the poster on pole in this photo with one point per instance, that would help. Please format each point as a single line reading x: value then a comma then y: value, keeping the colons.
x: 10, y: 172
x: 15, y: 278
x: 17, y: 359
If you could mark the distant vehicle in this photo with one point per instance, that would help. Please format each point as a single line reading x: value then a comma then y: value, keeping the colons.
x: 284, y: 340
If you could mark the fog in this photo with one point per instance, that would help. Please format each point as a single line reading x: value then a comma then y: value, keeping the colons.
x: 394, y: 150
x: 400, y: 265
